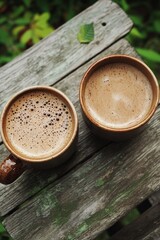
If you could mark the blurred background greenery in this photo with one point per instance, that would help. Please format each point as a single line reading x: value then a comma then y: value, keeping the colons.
x: 24, y: 23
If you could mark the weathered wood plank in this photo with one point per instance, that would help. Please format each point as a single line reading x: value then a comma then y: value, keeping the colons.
x: 31, y: 181
x: 155, y: 198
x: 95, y: 194
x: 60, y: 53
x: 154, y: 235
x: 141, y: 227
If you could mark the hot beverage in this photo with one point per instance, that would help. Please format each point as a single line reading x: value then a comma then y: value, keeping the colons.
x: 118, y: 95
x: 39, y: 124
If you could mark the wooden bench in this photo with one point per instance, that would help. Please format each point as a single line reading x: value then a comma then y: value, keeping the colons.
x: 103, y: 181
x: 145, y: 227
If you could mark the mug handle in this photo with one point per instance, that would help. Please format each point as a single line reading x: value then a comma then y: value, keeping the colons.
x: 10, y: 169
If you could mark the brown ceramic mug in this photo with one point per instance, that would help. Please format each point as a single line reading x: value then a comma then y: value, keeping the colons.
x: 118, y: 96
x: 39, y: 127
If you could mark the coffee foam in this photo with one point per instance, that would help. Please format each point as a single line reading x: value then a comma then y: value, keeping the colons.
x: 38, y: 124
x: 118, y: 95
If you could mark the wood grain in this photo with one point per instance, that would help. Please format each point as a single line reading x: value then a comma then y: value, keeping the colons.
x: 95, y: 194
x: 154, y: 235
x: 32, y: 181
x: 155, y: 198
x: 141, y: 228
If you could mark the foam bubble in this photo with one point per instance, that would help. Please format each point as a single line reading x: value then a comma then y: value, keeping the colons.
x: 39, y: 124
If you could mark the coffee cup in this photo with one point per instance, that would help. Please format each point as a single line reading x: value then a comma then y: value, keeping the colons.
x: 39, y: 127
x: 118, y: 96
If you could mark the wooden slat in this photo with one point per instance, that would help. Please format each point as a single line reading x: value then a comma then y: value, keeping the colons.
x: 154, y: 235
x: 31, y: 181
x: 155, y: 198
x: 141, y: 228
x: 95, y: 194
x: 60, y: 53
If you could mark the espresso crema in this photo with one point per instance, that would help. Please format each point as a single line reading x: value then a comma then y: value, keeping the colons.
x: 38, y: 124
x: 118, y: 95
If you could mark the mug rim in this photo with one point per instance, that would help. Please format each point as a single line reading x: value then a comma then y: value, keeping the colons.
x: 92, y: 119
x: 52, y: 156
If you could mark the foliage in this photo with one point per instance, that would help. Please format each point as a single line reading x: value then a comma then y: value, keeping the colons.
x: 33, y: 29
x: 145, y: 35
x: 3, y: 233
x: 26, y: 22
x: 86, y: 33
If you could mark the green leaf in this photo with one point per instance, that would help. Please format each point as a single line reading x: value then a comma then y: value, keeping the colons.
x: 43, y: 32
x: 26, y: 36
x: 4, y: 37
x: 41, y: 24
x: 22, y: 21
x: 41, y: 17
x: 125, y: 5
x: 28, y: 16
x: 136, y: 33
x: 2, y: 19
x: 1, y: 228
x: 16, y: 30
x: 86, y: 33
x: 156, y: 25
x: 137, y: 20
x: 70, y: 13
x: 1, y: 4
x: 27, y: 2
x: 149, y: 54
x: 36, y: 17
x: 42, y: 20
x: 18, y: 11
x: 35, y: 38
x: 47, y: 31
x: 44, y: 17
